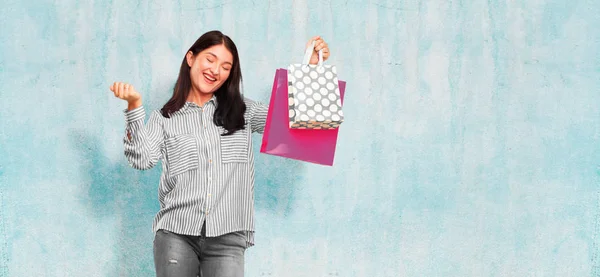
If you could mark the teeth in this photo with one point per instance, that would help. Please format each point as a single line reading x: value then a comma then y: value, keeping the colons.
x: 210, y: 78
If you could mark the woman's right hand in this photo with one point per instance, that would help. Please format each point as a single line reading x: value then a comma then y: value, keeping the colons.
x: 128, y: 93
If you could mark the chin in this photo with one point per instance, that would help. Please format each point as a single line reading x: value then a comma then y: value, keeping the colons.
x: 207, y: 89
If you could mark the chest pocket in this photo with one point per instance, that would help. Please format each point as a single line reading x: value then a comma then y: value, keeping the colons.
x: 182, y: 154
x: 234, y: 148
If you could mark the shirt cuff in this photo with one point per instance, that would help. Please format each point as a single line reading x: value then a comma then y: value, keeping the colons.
x: 135, y: 114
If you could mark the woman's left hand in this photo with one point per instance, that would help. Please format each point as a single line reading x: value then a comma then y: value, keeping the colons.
x: 319, y: 44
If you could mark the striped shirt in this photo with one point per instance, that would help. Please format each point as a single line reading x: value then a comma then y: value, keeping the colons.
x: 206, y: 178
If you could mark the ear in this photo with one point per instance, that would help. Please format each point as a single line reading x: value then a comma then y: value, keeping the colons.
x: 189, y: 57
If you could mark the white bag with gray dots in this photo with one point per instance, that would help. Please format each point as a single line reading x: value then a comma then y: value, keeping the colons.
x: 314, y: 95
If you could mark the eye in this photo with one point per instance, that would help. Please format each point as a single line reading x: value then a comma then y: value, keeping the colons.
x: 226, y: 68
x: 209, y: 60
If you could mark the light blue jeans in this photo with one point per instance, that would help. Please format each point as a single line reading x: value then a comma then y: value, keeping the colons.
x: 191, y: 256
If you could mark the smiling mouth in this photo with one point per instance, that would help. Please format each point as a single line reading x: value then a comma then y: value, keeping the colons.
x: 209, y: 78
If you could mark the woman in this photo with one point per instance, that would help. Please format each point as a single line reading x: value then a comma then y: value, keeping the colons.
x: 202, y: 135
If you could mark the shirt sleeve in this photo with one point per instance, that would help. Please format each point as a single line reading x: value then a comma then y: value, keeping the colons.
x: 143, y: 142
x: 257, y: 114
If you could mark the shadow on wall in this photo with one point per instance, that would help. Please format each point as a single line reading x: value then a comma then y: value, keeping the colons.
x: 115, y: 190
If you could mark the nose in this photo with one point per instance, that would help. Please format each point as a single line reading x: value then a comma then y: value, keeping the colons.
x: 215, y: 70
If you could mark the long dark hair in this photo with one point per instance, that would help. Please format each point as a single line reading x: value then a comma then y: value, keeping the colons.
x: 231, y: 107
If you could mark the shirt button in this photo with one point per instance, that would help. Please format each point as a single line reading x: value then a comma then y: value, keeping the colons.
x: 210, y: 161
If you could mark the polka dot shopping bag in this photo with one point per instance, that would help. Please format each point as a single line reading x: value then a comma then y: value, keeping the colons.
x: 313, y: 95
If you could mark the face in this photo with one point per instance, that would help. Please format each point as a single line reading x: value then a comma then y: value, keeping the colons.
x: 210, y: 68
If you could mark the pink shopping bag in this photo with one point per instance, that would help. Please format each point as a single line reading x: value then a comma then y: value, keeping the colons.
x: 315, y: 146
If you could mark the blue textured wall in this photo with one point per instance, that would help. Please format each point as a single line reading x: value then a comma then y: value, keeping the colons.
x: 471, y: 145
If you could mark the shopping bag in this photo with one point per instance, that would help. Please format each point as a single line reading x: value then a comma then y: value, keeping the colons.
x: 309, y: 145
x: 314, y: 95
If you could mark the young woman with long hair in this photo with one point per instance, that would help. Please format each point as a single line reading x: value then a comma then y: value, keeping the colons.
x: 202, y: 135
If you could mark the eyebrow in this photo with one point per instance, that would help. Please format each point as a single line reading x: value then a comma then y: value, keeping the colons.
x: 217, y: 57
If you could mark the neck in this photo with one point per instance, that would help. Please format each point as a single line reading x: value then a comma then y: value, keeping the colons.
x: 199, y: 98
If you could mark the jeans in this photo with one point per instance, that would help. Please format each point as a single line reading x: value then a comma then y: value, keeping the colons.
x: 183, y: 256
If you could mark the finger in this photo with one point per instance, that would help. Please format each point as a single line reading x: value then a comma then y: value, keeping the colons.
x: 315, y: 38
x: 316, y: 46
x: 320, y: 46
x: 115, y: 89
x: 121, y: 89
x: 319, y: 41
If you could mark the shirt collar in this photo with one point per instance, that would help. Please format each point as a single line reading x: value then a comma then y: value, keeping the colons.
x: 188, y: 104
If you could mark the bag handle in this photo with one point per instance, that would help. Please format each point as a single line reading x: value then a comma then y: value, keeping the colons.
x: 308, y: 54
